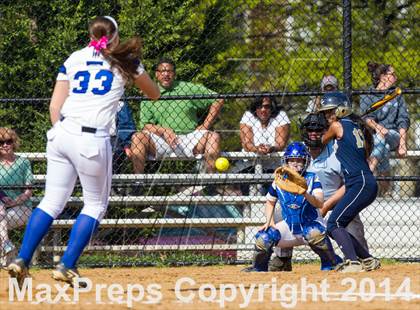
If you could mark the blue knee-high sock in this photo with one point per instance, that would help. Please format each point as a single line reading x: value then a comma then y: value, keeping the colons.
x: 343, y: 239
x: 80, y: 236
x: 37, y: 227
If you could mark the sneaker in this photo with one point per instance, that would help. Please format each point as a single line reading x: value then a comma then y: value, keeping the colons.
x: 70, y: 276
x: 18, y: 270
x: 370, y: 263
x: 349, y: 266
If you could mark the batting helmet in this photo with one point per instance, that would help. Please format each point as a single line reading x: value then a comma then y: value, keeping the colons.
x: 313, y: 122
x: 297, y: 150
x: 338, y: 101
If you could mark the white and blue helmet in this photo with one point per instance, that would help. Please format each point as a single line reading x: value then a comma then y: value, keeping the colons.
x: 297, y: 150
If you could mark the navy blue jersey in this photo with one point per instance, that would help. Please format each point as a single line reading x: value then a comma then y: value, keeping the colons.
x: 351, y: 148
x: 296, y: 210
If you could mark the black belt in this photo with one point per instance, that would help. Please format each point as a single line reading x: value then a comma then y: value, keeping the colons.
x: 88, y: 129
x: 84, y: 128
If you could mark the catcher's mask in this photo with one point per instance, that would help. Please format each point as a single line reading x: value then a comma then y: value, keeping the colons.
x: 297, y: 150
x: 338, y: 101
x: 313, y: 122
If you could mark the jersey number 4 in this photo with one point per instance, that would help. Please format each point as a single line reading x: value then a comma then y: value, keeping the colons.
x: 83, y: 77
x: 360, y: 139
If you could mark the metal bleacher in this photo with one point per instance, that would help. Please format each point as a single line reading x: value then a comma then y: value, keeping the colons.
x: 246, y: 225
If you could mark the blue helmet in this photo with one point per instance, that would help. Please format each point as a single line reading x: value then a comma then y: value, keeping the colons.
x: 338, y: 101
x: 297, y: 150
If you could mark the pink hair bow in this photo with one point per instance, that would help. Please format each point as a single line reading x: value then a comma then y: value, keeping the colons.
x: 100, y: 44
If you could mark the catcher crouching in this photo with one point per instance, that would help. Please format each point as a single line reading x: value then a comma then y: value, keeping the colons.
x: 300, y: 195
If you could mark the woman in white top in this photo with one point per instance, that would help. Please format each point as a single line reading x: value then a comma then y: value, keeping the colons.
x: 83, y: 105
x: 264, y: 130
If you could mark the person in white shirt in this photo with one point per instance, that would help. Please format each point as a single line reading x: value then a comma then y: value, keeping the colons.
x: 264, y: 129
x: 82, y: 108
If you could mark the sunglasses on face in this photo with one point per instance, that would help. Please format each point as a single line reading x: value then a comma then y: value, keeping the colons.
x: 265, y: 106
x: 7, y: 142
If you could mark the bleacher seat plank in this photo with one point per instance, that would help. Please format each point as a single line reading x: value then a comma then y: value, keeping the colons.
x: 41, y: 156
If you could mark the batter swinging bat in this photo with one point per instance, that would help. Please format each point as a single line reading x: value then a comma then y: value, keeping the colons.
x: 378, y: 104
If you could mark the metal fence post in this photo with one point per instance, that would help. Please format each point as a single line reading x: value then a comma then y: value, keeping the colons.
x: 347, y: 45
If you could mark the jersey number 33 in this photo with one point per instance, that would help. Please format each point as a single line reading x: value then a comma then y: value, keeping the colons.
x: 84, y: 77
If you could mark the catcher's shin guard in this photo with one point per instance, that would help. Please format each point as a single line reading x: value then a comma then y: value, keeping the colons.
x: 264, y: 244
x: 321, y: 245
x: 261, y: 259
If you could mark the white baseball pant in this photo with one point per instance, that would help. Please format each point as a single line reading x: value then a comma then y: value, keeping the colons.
x: 73, y: 152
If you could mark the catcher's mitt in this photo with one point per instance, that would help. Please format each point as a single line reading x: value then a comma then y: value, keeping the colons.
x: 290, y: 181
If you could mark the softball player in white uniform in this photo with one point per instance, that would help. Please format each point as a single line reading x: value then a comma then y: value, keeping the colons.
x: 83, y: 105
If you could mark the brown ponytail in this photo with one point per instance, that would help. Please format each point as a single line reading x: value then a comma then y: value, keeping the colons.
x: 376, y: 70
x: 125, y: 57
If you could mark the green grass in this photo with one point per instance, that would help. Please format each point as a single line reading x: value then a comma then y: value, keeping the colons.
x: 161, y: 259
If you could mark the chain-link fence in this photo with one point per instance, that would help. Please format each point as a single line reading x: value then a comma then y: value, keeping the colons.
x: 237, y: 78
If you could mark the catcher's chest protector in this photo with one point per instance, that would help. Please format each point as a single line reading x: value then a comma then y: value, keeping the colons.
x: 296, y: 210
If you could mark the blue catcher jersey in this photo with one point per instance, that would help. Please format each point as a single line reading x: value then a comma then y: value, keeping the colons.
x: 295, y: 209
x: 351, y: 149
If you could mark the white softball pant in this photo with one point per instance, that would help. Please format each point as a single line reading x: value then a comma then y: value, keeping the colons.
x: 73, y: 150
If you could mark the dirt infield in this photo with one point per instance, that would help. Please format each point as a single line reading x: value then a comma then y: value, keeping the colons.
x: 395, y: 286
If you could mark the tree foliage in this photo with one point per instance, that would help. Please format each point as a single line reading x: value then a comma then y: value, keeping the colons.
x: 229, y: 46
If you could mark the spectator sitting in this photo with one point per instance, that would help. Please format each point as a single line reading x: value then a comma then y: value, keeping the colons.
x: 264, y: 130
x: 172, y: 126
x: 121, y: 131
x: 390, y: 123
x: 328, y: 83
x: 15, y: 204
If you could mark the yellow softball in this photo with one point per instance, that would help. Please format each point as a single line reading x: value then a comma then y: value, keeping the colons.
x: 222, y: 164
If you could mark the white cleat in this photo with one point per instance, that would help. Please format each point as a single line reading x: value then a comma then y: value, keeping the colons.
x: 18, y: 270
x: 349, y: 266
x: 70, y: 276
